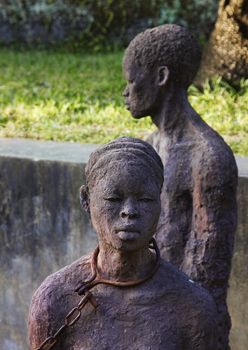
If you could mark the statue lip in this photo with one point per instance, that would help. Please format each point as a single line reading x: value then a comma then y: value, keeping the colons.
x: 128, y: 235
x: 128, y: 229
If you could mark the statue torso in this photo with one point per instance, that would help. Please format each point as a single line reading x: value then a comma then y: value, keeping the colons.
x: 163, y: 313
x: 194, y: 160
x: 126, y: 320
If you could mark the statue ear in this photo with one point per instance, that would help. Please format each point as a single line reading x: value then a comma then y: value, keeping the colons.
x: 163, y: 75
x: 85, y: 198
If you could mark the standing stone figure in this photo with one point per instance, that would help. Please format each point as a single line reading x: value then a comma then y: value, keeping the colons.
x: 143, y: 301
x: 198, y: 218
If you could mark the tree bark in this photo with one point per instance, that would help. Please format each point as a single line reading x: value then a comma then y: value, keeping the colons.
x: 226, y: 53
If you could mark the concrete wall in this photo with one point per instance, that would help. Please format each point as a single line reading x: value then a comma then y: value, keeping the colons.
x: 43, y: 228
x: 238, y: 291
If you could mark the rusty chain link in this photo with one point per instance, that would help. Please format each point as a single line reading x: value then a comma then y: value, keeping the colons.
x: 74, y: 314
x: 71, y: 318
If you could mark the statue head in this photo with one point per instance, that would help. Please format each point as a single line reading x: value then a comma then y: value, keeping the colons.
x: 122, y: 192
x: 157, y: 58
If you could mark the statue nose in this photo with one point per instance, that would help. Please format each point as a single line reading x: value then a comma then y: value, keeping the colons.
x: 129, y: 210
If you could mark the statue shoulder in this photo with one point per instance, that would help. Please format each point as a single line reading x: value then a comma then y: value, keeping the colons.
x: 189, y: 294
x: 200, y: 316
x: 207, y: 141
x: 213, y: 159
x: 66, y: 278
x: 194, y: 306
x: 50, y: 301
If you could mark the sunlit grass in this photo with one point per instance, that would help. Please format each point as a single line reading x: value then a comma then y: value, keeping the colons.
x: 76, y: 97
x: 226, y: 110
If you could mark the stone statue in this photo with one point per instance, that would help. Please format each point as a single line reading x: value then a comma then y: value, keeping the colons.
x: 143, y: 301
x: 198, y: 217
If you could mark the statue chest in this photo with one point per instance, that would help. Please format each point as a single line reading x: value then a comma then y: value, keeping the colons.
x: 177, y: 192
x: 177, y: 203
x: 178, y: 175
x: 179, y: 159
x: 125, y: 322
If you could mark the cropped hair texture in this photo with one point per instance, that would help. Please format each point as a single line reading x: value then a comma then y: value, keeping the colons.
x: 167, y: 45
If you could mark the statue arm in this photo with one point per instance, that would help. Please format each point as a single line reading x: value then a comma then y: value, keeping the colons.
x: 44, y: 315
x: 200, y: 321
x: 51, y: 303
x: 209, y: 248
x: 37, y: 321
x: 205, y: 337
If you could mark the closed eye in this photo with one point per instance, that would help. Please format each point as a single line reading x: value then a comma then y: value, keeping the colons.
x: 146, y: 199
x: 112, y: 199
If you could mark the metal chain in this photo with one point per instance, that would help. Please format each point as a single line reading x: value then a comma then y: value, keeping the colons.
x: 71, y: 318
x: 74, y: 314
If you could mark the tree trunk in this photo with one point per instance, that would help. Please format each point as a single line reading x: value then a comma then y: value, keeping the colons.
x: 226, y: 53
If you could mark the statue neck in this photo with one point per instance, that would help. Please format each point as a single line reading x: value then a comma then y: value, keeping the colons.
x: 171, y: 117
x: 124, y: 265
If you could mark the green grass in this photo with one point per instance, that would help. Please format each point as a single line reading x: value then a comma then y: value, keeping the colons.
x: 76, y: 97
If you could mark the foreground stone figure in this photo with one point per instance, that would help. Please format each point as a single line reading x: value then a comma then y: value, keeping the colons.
x: 166, y: 311
x: 198, y: 218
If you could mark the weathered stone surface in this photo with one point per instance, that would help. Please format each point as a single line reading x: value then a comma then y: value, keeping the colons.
x: 28, y: 258
x: 133, y: 318
x: 167, y: 311
x: 199, y: 213
x: 238, y: 291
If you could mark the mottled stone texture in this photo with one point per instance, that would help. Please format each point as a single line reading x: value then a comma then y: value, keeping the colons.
x: 27, y: 260
x: 165, y: 313
x: 238, y: 291
x: 198, y: 218
x: 168, y: 311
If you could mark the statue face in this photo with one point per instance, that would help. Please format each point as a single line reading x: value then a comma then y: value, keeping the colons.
x: 141, y: 91
x: 125, y: 206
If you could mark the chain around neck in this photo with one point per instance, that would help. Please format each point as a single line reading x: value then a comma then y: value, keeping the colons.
x: 97, y: 279
x: 74, y: 314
